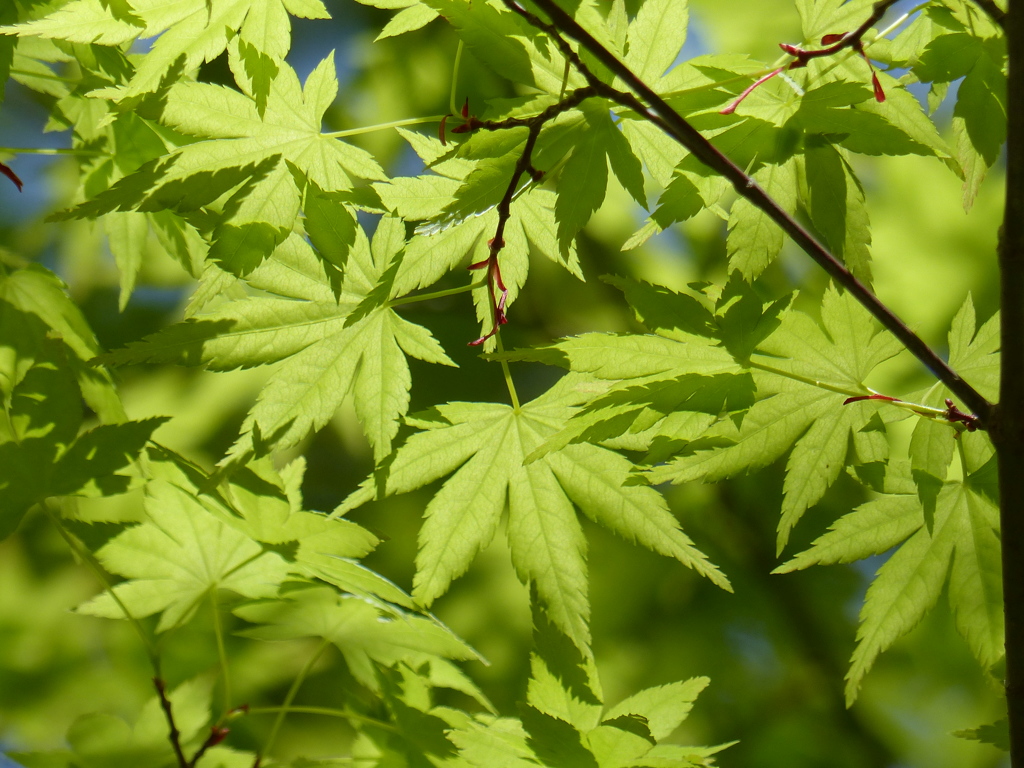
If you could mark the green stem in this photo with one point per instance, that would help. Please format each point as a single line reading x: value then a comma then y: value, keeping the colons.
x: 383, y: 126
x: 508, y: 374
x: 925, y: 411
x: 222, y: 655
x: 435, y: 294
x: 88, y: 558
x: 290, y: 697
x: 327, y: 712
x: 455, y: 80
x: 808, y: 380
x: 48, y: 151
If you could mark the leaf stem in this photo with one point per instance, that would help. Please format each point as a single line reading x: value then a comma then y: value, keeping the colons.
x: 286, y: 706
x: 218, y: 631
x: 327, y: 712
x: 435, y: 294
x: 805, y: 379
x: 659, y: 113
x: 48, y: 151
x: 508, y: 375
x: 455, y: 79
x: 383, y: 126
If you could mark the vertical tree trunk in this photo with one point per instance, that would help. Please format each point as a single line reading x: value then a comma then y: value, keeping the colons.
x: 1008, y: 424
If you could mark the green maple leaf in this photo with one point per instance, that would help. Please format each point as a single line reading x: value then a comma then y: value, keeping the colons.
x: 412, y: 15
x: 974, y: 355
x: 962, y: 544
x: 803, y: 372
x: 485, y: 445
x: 848, y: 114
x: 754, y: 239
x: 325, y: 350
x: 362, y: 632
x: 677, y: 381
x: 43, y: 450
x: 247, y: 159
x: 979, y: 118
x: 823, y: 17
x: 836, y: 204
x: 655, y: 37
x: 195, y: 31
x: 997, y: 734
x: 270, y: 507
x: 685, y: 391
x: 973, y: 351
x: 584, y: 178
x: 178, y: 557
x: 506, y: 43
x: 38, y: 292
x: 564, y: 721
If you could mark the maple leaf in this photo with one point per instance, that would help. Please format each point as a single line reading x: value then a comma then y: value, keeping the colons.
x: 803, y: 372
x: 673, y: 389
x: 961, y: 543
x: 177, y: 557
x: 270, y: 507
x: 677, y: 381
x: 190, y: 33
x: 655, y: 37
x: 361, y: 631
x: 246, y: 158
x: 483, y: 446
x: 979, y: 117
x: 43, y: 450
x: 506, y: 43
x: 754, y: 239
x: 564, y: 720
x: 326, y: 350
x: 412, y: 15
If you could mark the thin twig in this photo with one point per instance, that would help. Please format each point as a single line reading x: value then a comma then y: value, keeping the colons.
x: 658, y: 112
x: 175, y: 734
x: 496, y: 288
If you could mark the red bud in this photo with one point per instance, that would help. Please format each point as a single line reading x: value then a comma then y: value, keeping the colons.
x: 217, y: 735
x: 879, y: 93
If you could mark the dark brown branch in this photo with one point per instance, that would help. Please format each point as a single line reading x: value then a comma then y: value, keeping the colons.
x: 1008, y: 426
x: 657, y: 111
x: 175, y: 734
x: 495, y: 286
x: 997, y: 14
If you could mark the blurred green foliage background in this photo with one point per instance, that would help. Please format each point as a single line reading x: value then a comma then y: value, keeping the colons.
x: 776, y: 650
